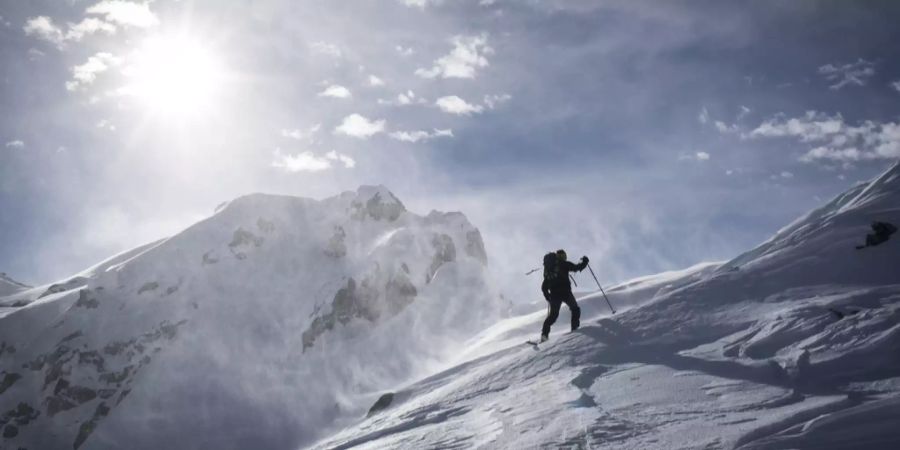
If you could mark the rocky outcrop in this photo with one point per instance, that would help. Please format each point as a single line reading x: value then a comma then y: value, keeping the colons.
x: 101, y: 373
x: 444, y: 252
x: 7, y: 379
x: 64, y: 286
x: 382, y: 403
x: 354, y: 301
x: 475, y: 246
x: 366, y: 300
x: 336, y: 247
x: 21, y: 415
x: 242, y: 241
x: 380, y: 205
x: 86, y: 300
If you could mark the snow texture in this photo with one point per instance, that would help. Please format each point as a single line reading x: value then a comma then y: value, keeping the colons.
x: 284, y: 323
x: 793, y: 344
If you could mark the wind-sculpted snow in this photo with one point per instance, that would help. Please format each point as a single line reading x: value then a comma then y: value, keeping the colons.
x: 793, y: 344
x: 260, y: 327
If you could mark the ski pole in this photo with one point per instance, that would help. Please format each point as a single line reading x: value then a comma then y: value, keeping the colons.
x: 601, y: 290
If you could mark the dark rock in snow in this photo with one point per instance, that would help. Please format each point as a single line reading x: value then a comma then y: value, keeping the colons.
x: 382, y: 403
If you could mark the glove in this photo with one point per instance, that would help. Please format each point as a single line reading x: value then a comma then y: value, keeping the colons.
x: 584, y: 259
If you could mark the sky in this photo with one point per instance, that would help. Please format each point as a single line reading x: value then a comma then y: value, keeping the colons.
x: 649, y: 135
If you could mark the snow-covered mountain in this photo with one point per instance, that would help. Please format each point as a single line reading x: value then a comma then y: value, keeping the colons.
x: 259, y: 327
x: 794, y: 344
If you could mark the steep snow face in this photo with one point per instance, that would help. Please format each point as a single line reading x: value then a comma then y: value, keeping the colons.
x: 259, y: 327
x: 830, y: 233
x: 793, y: 344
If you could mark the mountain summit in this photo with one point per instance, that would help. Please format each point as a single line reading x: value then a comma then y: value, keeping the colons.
x: 259, y: 327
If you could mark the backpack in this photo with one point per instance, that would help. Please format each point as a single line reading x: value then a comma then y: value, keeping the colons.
x: 551, y: 267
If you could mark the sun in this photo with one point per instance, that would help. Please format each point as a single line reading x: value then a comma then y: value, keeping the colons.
x: 174, y: 76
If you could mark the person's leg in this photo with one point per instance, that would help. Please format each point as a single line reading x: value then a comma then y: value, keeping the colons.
x: 551, y: 317
x: 576, y: 311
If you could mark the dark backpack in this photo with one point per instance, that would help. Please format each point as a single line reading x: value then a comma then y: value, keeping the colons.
x: 551, y: 267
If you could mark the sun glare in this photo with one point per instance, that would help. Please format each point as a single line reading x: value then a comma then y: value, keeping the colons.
x: 174, y: 76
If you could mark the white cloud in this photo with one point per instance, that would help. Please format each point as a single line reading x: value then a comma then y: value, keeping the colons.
x: 335, y: 91
x: 468, y: 54
x: 410, y: 136
x: 15, y: 144
x: 359, y: 127
x: 420, y: 3
x: 811, y: 127
x: 347, y: 161
x: 698, y: 156
x: 455, y: 105
x: 34, y: 54
x: 743, y: 112
x: 105, y: 124
x: 494, y: 100
x: 896, y: 85
x: 301, y: 162
x: 703, y: 117
x: 848, y: 74
x: 832, y: 154
x: 725, y: 128
x: 887, y: 142
x: 301, y: 135
x: 837, y: 141
x: 85, y: 74
x: 420, y: 135
x: 404, y: 51
x: 308, y: 161
x: 43, y: 28
x: 375, y: 81
x: 132, y: 14
x: 90, y: 25
x: 786, y: 174
x: 325, y: 48
x: 406, y: 98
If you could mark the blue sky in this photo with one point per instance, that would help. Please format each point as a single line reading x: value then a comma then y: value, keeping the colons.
x: 648, y: 135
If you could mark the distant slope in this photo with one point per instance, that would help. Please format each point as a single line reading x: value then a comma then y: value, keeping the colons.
x: 793, y: 344
x: 8, y: 286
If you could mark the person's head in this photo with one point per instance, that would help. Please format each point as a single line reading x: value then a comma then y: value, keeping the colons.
x: 561, y: 254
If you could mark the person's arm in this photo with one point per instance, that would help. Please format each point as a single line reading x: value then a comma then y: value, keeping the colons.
x: 545, y: 288
x: 580, y: 266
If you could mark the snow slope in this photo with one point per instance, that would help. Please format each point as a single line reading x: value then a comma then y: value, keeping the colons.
x: 258, y: 327
x: 794, y: 344
x: 8, y: 286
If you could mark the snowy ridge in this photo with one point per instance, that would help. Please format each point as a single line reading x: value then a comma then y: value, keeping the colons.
x: 8, y: 286
x: 266, y: 323
x: 792, y: 345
